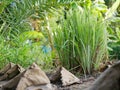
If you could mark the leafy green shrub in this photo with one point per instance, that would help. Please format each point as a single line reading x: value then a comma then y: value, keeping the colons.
x: 81, y: 39
x: 15, y: 20
x: 115, y: 52
x: 114, y: 41
x: 23, y: 53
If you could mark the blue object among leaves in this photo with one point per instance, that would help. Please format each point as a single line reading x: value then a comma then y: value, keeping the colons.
x: 46, y: 49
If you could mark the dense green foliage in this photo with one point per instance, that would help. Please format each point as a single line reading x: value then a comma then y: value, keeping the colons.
x: 73, y: 30
x: 18, y: 42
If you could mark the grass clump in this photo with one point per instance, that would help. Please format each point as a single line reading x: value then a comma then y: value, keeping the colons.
x: 81, y: 40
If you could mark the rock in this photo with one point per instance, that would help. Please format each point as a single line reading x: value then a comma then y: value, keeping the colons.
x: 32, y: 77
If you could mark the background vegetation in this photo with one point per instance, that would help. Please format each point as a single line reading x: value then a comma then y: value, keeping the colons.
x: 78, y: 33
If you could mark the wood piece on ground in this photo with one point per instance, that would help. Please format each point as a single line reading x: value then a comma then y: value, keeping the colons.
x: 42, y: 87
x: 33, y: 76
x: 12, y: 72
x: 68, y: 78
x: 2, y: 83
x: 6, y: 68
x: 108, y: 80
x: 55, y: 76
x: 12, y: 84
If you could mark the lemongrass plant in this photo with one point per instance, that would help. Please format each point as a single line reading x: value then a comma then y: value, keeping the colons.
x: 81, y: 40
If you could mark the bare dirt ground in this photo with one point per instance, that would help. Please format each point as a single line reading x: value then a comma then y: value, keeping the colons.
x: 83, y: 86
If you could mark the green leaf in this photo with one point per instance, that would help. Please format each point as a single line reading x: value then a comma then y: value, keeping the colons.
x: 112, y: 10
x: 32, y: 35
x: 3, y: 4
x: 101, y: 7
